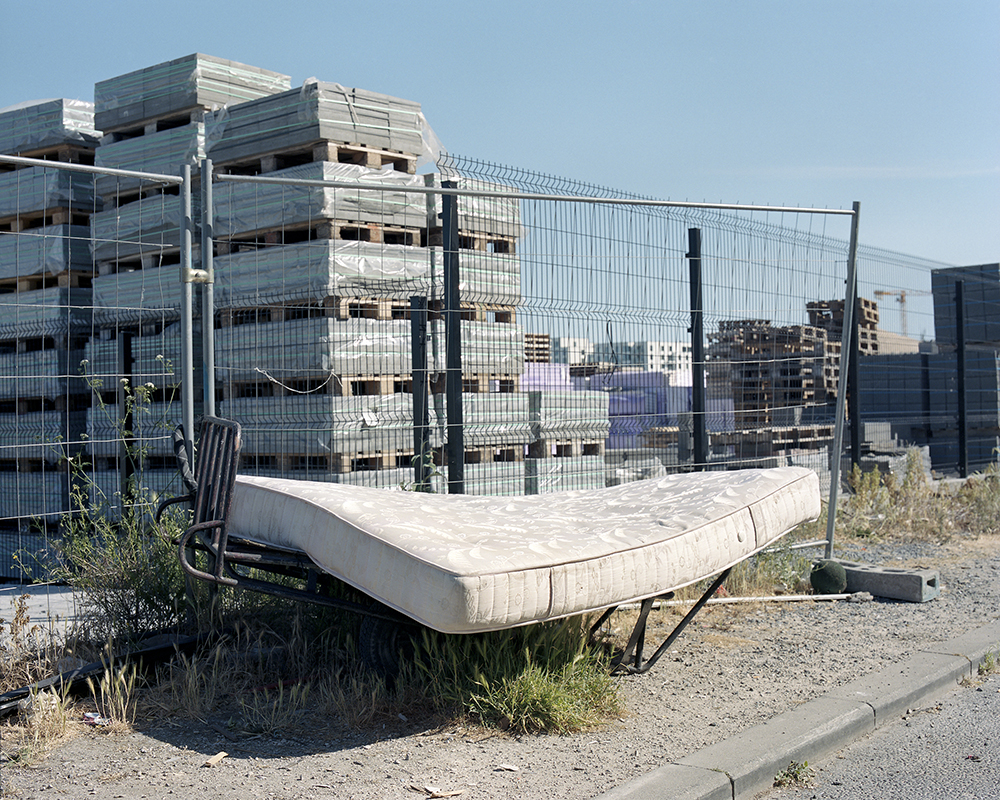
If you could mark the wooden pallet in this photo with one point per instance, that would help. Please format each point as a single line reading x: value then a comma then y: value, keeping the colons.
x: 31, y: 283
x: 475, y: 240
x: 338, y: 463
x: 494, y: 455
x: 481, y: 383
x: 150, y: 125
x: 155, y: 258
x: 564, y: 447
x: 330, y: 151
x: 64, y: 153
x: 478, y: 312
x: 342, y: 230
x: 335, y: 385
x: 40, y: 219
x: 341, y: 308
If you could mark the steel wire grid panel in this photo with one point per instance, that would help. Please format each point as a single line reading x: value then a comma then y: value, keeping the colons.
x: 609, y: 362
x: 89, y: 345
x: 576, y: 353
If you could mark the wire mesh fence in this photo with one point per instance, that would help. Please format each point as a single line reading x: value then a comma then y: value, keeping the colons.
x: 340, y: 291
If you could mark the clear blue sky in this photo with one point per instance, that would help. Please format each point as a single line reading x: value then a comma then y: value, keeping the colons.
x: 894, y: 103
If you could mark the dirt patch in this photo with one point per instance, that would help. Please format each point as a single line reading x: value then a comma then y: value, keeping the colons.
x: 734, y: 667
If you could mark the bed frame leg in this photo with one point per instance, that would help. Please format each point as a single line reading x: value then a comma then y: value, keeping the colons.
x: 630, y: 661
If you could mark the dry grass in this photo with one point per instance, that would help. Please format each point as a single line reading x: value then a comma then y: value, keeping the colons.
x: 910, y: 507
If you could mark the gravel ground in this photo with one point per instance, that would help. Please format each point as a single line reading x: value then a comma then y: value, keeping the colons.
x: 734, y: 667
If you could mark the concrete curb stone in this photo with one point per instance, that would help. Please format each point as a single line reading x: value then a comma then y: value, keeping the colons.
x: 745, y: 764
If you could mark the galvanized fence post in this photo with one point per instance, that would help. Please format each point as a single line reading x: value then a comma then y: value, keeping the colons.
x: 849, y: 333
x: 453, y: 342
x: 208, y: 288
x: 187, y: 322
x: 698, y: 415
x: 963, y: 407
x: 418, y: 377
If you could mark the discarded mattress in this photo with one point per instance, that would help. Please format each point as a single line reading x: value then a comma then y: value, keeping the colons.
x: 462, y: 563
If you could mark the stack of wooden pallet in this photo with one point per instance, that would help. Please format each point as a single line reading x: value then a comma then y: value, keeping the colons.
x: 45, y: 279
x: 158, y: 119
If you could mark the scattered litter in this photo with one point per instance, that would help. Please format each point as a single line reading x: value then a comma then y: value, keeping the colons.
x: 403, y: 717
x: 93, y: 718
x: 508, y: 768
x: 215, y: 759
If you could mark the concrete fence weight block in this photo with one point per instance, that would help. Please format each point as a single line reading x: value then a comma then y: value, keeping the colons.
x: 911, y: 585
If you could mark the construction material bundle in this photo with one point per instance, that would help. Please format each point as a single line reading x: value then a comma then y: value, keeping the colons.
x: 313, y: 349
x: 302, y: 430
x: 242, y: 208
x: 310, y: 272
x: 52, y: 250
x: 35, y: 196
x: 146, y: 228
x: 27, y: 128
x: 164, y: 152
x: 54, y: 313
x: 192, y: 83
x: 142, y: 295
x: 318, y: 112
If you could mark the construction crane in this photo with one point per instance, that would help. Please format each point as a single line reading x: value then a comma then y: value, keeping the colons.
x: 901, y: 299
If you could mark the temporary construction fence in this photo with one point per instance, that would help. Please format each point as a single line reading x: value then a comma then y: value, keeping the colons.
x: 476, y: 329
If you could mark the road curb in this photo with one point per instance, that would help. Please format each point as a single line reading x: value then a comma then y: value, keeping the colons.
x: 745, y: 764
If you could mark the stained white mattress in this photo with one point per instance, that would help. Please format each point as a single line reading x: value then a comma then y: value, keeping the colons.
x: 461, y: 563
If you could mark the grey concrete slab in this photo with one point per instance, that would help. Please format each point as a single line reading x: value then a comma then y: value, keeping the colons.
x: 911, y: 585
x: 815, y: 729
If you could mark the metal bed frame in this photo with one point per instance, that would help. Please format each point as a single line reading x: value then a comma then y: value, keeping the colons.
x: 240, y: 563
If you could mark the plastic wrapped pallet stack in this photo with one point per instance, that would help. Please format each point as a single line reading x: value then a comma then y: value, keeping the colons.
x: 45, y: 274
x: 157, y: 119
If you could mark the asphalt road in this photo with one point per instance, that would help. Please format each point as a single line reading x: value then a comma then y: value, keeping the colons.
x: 947, y: 749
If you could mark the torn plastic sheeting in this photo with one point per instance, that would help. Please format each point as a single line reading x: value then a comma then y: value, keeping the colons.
x: 39, y: 124
x: 50, y: 250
